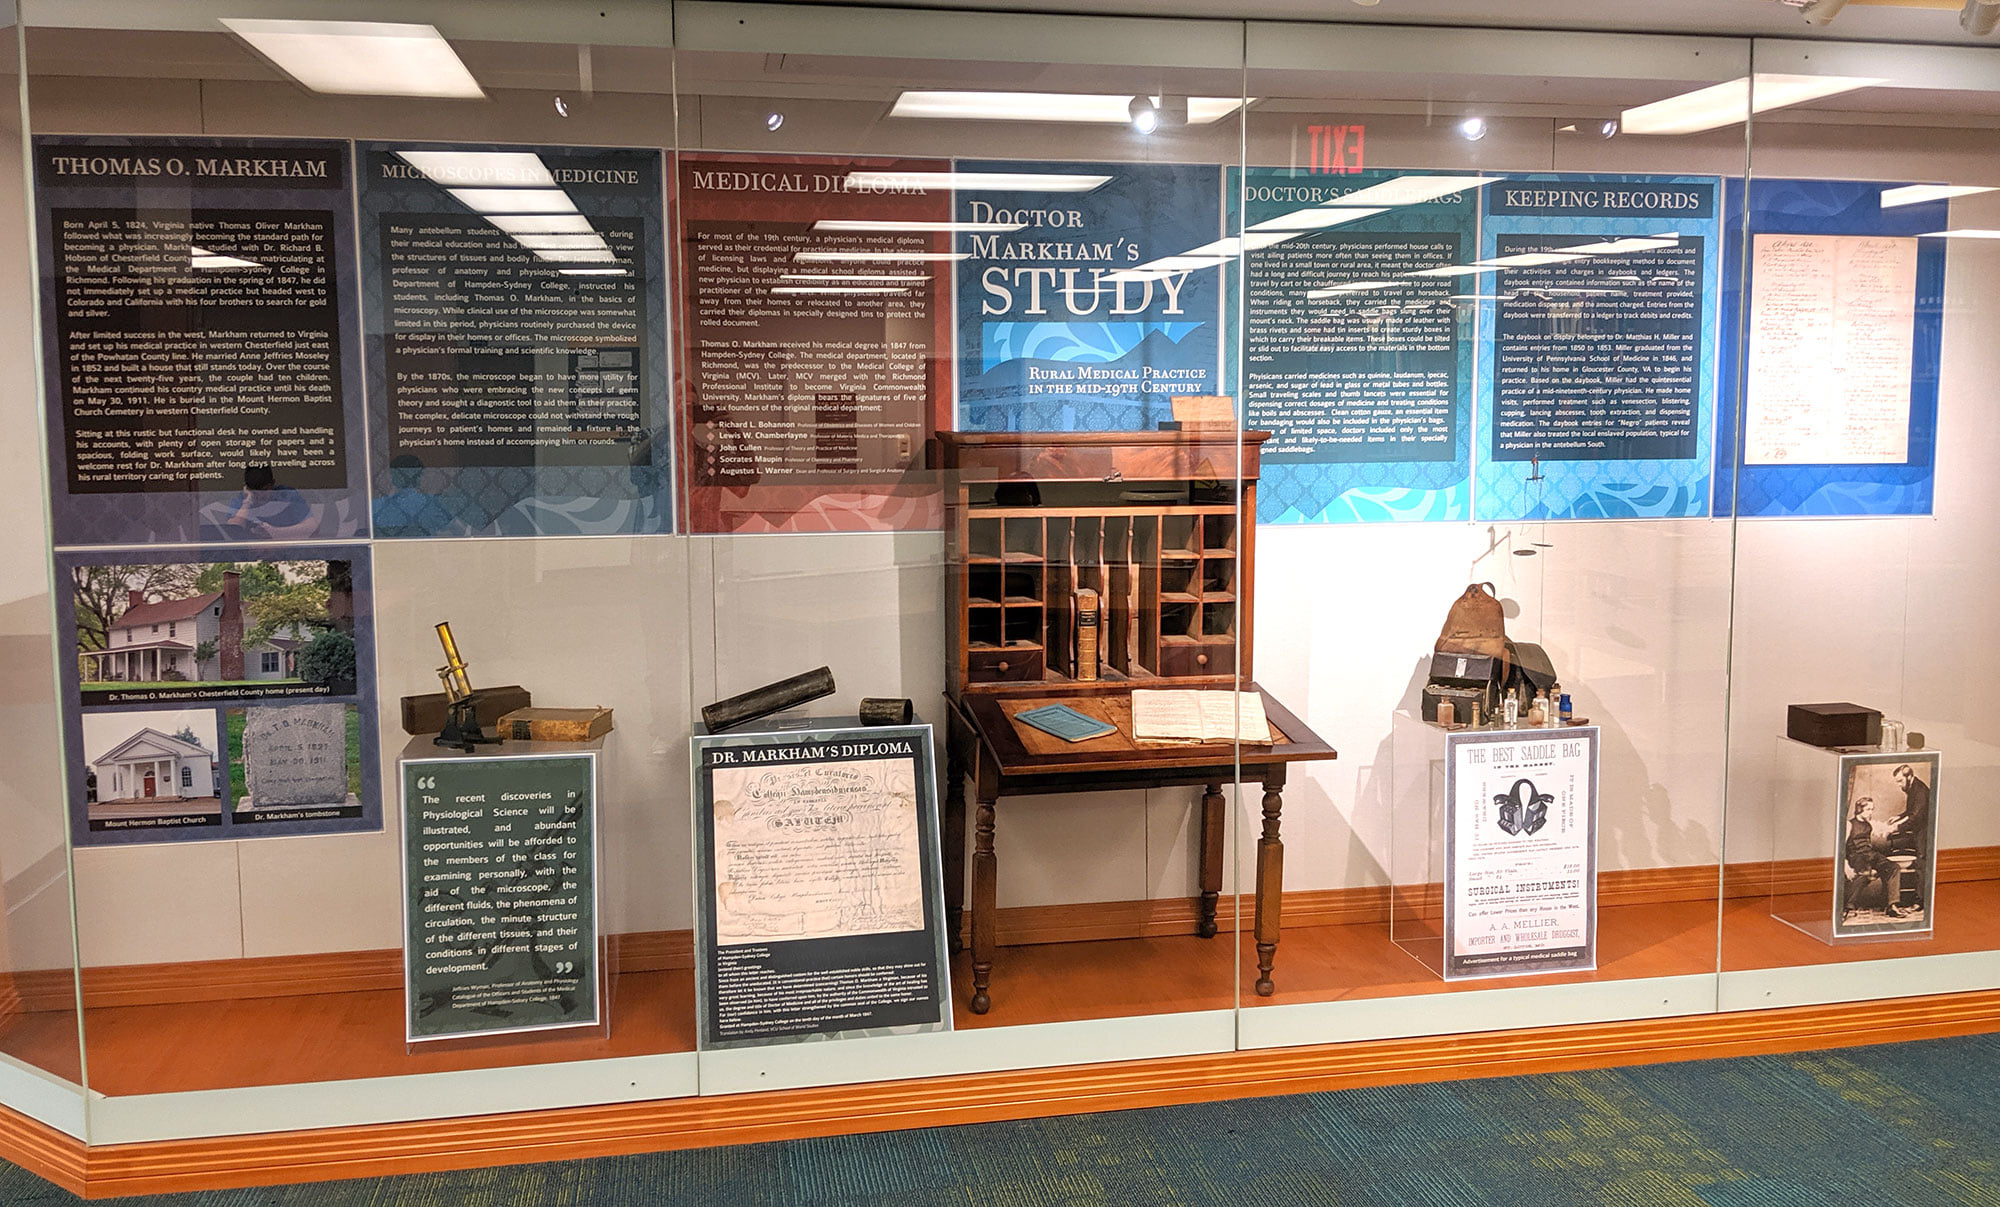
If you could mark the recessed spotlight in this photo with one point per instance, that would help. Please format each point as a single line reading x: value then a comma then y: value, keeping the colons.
x: 773, y: 120
x: 562, y: 107
x: 1609, y: 129
x: 1145, y: 115
x: 1473, y: 128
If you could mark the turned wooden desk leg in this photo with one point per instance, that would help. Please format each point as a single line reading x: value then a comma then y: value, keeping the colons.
x: 1270, y: 885
x: 1211, y: 859
x: 954, y: 841
x: 984, y: 871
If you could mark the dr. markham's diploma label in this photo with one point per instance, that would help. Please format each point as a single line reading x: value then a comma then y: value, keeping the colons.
x: 820, y: 891
x: 1521, y: 852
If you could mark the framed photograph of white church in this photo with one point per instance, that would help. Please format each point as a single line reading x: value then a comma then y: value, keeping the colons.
x: 1885, y: 857
x: 219, y: 693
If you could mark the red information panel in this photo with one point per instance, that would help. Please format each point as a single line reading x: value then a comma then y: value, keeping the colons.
x: 816, y: 317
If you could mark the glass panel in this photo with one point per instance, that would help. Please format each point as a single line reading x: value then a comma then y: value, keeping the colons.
x: 1858, y: 754
x: 1482, y: 308
x: 933, y: 324
x: 362, y: 305
x: 38, y: 1016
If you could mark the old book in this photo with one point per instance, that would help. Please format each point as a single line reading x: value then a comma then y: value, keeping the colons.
x: 425, y: 714
x: 1199, y: 716
x: 555, y: 724
x: 1086, y: 634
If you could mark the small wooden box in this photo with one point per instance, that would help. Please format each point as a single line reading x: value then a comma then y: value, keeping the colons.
x: 425, y: 714
x: 555, y: 724
x: 1833, y: 725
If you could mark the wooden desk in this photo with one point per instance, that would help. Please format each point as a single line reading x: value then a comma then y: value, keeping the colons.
x: 1008, y: 759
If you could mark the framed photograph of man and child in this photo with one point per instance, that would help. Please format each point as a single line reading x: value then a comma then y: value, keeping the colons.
x: 1886, y: 844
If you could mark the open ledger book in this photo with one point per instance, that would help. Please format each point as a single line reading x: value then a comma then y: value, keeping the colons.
x: 1199, y: 716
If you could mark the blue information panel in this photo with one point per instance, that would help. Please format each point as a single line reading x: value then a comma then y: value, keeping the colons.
x: 1356, y: 348
x: 1597, y: 396
x: 1840, y: 223
x: 516, y: 340
x: 1088, y: 310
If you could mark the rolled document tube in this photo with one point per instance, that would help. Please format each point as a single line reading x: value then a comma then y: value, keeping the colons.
x: 765, y: 700
x: 878, y: 710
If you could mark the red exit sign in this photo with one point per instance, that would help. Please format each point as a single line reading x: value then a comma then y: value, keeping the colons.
x: 1336, y: 150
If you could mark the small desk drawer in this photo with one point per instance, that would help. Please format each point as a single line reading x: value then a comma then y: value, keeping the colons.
x: 1004, y: 665
x: 1186, y: 659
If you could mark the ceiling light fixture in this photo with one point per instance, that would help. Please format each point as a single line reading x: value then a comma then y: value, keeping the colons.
x: 1729, y: 103
x: 518, y: 169
x: 1144, y: 113
x: 876, y: 277
x: 541, y: 224
x: 1821, y: 12
x: 838, y: 289
x: 871, y: 257
x: 361, y: 58
x: 1608, y: 128
x: 1916, y: 194
x: 1316, y: 219
x: 773, y: 121
x: 895, y: 225
x: 1472, y: 129
x: 1966, y: 233
x: 1979, y: 17
x: 515, y: 201
x: 1112, y: 109
x: 974, y: 182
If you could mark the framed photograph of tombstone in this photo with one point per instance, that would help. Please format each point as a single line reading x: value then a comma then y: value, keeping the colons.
x: 263, y: 654
x: 1885, y: 858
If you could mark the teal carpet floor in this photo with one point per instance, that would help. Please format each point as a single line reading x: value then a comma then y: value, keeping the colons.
x: 1915, y: 1124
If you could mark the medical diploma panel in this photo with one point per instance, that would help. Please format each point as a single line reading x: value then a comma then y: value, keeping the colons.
x: 1520, y: 883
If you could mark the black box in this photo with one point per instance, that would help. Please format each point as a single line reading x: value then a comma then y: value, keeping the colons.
x: 1463, y: 670
x: 1533, y: 663
x: 1462, y: 699
x: 1833, y: 725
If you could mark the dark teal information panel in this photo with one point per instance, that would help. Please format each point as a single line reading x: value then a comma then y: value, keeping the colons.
x: 500, y: 921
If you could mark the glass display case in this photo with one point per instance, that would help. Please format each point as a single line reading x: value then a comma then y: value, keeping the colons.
x: 827, y: 431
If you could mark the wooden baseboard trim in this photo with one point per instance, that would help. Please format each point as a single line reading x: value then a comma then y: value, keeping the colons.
x: 652, y: 951
x: 403, y: 1148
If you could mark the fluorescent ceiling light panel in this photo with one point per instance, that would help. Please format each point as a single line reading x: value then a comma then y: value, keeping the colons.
x: 592, y: 272
x: 899, y: 257
x: 1183, y: 263
x: 1106, y: 109
x: 837, y: 289
x: 898, y: 226
x: 361, y: 58
x: 1727, y: 104
x: 542, y: 224
x: 1334, y: 291
x: 197, y: 258
x: 852, y: 276
x: 515, y: 201
x: 1532, y: 259
x: 1414, y: 190
x: 1968, y: 233
x: 560, y: 242
x: 974, y: 182
x: 1315, y: 219
x: 1451, y: 270
x: 579, y: 255
x: 1623, y: 247
x: 516, y: 169
x: 1914, y: 194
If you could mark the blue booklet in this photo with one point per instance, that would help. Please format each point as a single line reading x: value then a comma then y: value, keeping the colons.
x: 1065, y: 722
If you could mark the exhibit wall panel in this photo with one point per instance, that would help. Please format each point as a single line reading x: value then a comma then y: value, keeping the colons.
x: 37, y: 945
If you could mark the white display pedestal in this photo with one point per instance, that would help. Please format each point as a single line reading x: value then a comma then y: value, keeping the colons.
x: 1493, y: 848
x: 1816, y: 887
